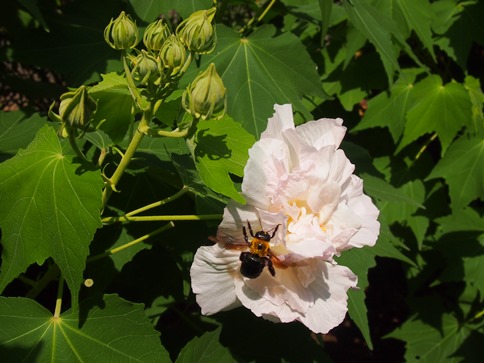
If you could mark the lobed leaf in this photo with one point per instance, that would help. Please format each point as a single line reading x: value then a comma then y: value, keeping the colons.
x: 50, y: 208
x: 462, y: 169
x: 113, y: 331
x: 260, y: 71
x: 443, y: 109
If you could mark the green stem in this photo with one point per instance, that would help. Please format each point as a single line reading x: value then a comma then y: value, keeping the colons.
x: 160, y: 202
x: 75, y: 147
x: 155, y: 133
x: 132, y: 87
x: 251, y: 21
x: 128, y: 155
x: 194, y: 217
x: 132, y: 243
x: 58, y: 302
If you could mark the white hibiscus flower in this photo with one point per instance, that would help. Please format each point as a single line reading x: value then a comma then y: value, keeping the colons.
x: 306, y: 206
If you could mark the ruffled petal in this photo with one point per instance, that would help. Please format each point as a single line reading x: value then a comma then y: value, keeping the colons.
x: 322, y: 132
x: 282, y: 120
x: 212, y: 274
x: 330, y: 292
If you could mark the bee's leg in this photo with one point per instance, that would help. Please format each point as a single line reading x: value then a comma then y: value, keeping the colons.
x: 246, y: 238
x: 270, y: 266
x: 275, y: 231
x: 250, y: 229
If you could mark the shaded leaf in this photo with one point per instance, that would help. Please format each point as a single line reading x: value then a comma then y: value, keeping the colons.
x: 50, y: 208
x: 222, y: 149
x: 418, y: 15
x: 115, y: 331
x: 359, y: 260
x: 206, y: 348
x: 114, y: 103
x: 17, y: 130
x: 75, y: 45
x: 374, y: 25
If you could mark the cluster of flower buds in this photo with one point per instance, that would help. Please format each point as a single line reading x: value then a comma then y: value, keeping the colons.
x: 168, y: 55
x: 75, y: 111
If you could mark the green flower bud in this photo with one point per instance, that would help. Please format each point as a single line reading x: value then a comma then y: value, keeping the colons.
x: 197, y: 32
x: 173, y: 55
x: 155, y: 35
x: 205, y: 96
x: 145, y: 67
x: 121, y: 33
x: 76, y: 108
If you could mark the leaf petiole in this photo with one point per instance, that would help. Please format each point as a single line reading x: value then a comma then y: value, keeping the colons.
x: 192, y: 217
x: 159, y: 203
x: 132, y: 243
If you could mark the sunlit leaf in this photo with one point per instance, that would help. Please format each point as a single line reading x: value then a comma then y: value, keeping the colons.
x: 113, y: 331
x: 260, y: 71
x: 50, y: 208
x: 428, y: 344
x: 443, y: 109
x: 462, y: 168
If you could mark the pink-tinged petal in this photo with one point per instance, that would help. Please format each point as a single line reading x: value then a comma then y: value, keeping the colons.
x: 268, y: 163
x: 330, y: 292
x: 362, y: 206
x: 370, y: 227
x: 282, y: 120
x: 322, y: 132
x: 212, y: 274
x: 282, y: 289
x: 252, y: 300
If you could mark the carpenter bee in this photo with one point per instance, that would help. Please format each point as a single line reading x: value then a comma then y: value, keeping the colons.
x: 259, y: 255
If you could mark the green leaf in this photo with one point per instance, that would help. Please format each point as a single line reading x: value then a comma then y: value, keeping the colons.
x: 326, y: 7
x: 437, y: 108
x: 466, y: 219
x: 252, y: 68
x: 389, y: 110
x: 206, y: 348
x: 418, y: 15
x: 17, y: 130
x: 473, y: 86
x: 359, y: 260
x: 150, y: 10
x: 114, y: 103
x: 375, y: 26
x: 460, y: 24
x: 427, y: 343
x: 380, y: 189
x: 113, y: 331
x: 222, y: 149
x: 462, y: 169
x: 50, y: 208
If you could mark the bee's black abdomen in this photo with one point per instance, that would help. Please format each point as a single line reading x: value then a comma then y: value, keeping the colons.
x: 252, y: 265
